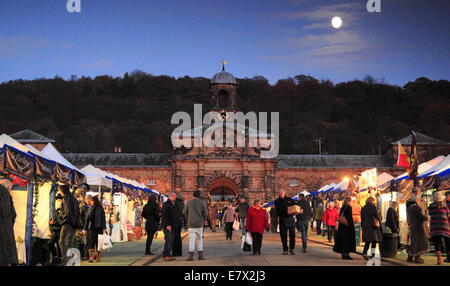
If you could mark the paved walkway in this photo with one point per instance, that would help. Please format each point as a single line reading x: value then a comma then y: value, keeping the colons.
x: 126, y: 253
x: 400, y: 259
x: 220, y: 252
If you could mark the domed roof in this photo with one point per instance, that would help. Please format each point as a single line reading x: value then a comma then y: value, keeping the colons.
x: 223, y: 77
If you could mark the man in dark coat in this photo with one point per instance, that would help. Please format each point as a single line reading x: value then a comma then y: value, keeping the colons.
x: 8, y: 250
x: 345, y: 241
x: 180, y: 223
x: 70, y: 213
x: 168, y: 221
x: 152, y: 215
x: 80, y: 195
x: 371, y: 227
x: 242, y: 210
x: 304, y: 219
x: 393, y: 222
x: 286, y: 222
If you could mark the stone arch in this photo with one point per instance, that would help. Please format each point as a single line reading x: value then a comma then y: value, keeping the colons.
x: 224, y: 183
x: 218, y: 174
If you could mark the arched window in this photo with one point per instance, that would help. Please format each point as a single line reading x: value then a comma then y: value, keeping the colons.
x: 223, y: 98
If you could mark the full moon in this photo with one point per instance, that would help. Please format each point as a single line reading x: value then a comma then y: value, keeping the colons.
x: 336, y: 22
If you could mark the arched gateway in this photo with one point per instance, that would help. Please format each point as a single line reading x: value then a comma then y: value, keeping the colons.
x: 223, y: 188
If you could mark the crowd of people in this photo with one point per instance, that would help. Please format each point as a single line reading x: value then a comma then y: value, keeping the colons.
x: 338, y: 222
x: 425, y: 224
x: 76, y: 214
x: 84, y: 218
x: 70, y: 218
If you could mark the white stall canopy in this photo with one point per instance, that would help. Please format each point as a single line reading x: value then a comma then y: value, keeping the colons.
x: 96, y: 177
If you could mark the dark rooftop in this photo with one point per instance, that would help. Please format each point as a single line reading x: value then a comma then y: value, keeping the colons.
x: 118, y: 159
x: 333, y: 161
x: 421, y: 139
x: 29, y: 136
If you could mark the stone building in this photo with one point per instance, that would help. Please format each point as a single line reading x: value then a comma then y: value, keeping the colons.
x: 231, y: 171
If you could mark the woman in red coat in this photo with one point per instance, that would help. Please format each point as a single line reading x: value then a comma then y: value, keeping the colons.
x: 256, y: 222
x: 329, y: 218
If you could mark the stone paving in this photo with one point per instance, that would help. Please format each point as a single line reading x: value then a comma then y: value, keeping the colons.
x: 400, y: 259
x: 221, y: 252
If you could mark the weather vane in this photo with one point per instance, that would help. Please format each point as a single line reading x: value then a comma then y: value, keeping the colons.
x: 224, y: 62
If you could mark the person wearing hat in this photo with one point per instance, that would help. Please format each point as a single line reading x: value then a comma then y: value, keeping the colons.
x: 8, y: 250
x: 195, y: 212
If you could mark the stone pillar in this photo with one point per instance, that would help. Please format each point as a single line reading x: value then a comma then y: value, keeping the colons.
x: 245, y: 179
x: 201, y: 176
x: 201, y: 183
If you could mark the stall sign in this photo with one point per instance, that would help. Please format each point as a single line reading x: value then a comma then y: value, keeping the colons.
x: 18, y: 163
x: 63, y: 174
x: 78, y: 178
x: 45, y: 169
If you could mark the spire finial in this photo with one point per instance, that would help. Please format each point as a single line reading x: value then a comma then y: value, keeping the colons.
x: 224, y: 62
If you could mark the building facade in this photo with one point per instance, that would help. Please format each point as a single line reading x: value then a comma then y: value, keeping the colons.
x: 230, y: 171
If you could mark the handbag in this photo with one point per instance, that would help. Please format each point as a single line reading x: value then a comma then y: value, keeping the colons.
x: 342, y: 219
x: 377, y: 223
x: 236, y: 224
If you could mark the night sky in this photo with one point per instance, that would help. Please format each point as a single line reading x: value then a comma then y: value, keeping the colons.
x: 272, y: 38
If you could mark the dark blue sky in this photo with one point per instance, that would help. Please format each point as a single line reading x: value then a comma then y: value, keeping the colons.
x: 272, y: 38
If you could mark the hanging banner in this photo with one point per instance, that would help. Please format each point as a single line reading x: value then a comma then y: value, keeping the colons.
x: 78, y: 178
x: 2, y: 159
x: 45, y: 169
x: 63, y: 174
x: 18, y: 163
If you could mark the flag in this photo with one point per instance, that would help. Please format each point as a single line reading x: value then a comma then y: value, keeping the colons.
x: 414, y: 161
x: 402, y: 158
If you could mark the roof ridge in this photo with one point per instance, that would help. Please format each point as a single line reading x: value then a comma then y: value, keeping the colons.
x: 30, y: 136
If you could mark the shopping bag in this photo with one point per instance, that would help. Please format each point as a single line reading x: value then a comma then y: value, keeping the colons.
x: 236, y: 224
x: 100, y: 242
x: 248, y: 239
x: 104, y: 242
x: 315, y: 224
x: 245, y: 246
